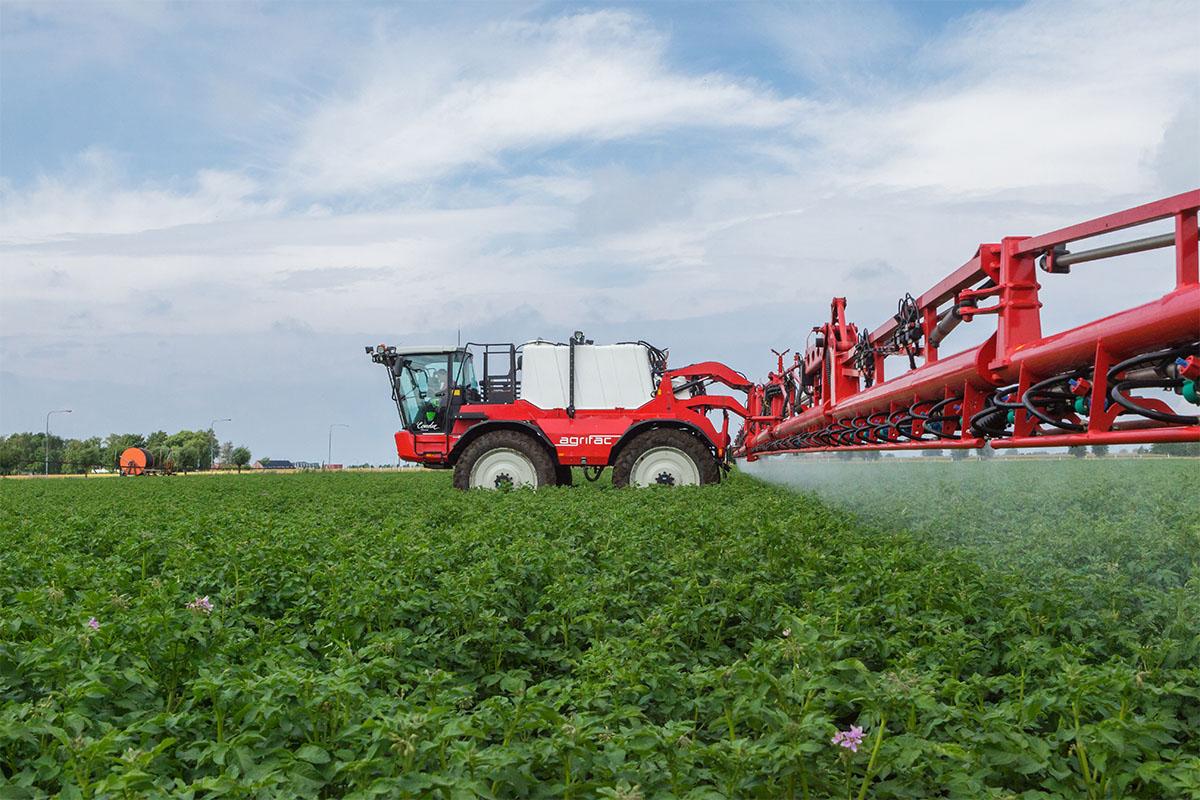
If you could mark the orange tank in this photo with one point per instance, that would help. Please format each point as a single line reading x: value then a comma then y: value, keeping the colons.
x: 135, y: 461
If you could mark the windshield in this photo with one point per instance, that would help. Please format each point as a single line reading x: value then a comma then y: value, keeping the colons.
x: 422, y: 385
x: 426, y: 383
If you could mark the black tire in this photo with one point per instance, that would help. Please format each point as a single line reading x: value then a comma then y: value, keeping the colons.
x: 564, y: 476
x: 689, y: 445
x: 543, y: 465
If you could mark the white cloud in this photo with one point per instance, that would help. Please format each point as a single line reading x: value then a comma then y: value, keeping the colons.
x: 1176, y: 159
x: 420, y: 112
x: 93, y: 197
x: 1061, y: 96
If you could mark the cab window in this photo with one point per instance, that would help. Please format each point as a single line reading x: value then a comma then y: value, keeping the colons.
x: 464, y: 377
x: 423, y: 381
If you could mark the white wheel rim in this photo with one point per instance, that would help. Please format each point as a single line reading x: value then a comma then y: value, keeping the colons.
x: 666, y: 466
x: 503, y: 466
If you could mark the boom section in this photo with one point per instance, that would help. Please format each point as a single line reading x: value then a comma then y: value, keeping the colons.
x: 1130, y: 377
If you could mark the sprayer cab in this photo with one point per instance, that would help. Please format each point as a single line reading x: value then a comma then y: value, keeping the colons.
x: 535, y: 410
x: 428, y: 383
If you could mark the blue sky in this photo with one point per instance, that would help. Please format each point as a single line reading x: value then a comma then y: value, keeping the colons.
x: 211, y: 206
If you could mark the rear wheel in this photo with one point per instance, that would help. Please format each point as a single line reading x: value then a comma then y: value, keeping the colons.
x: 503, y: 459
x: 666, y: 457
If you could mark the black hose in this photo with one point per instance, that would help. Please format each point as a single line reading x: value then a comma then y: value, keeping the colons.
x: 1038, y: 391
x: 907, y: 336
x: 873, y: 426
x: 863, y: 428
x: 1161, y: 358
x: 982, y: 423
x: 1117, y: 393
x: 896, y: 420
x: 937, y: 421
x: 864, y: 359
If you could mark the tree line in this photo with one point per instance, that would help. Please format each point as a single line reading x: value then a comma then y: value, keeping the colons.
x: 183, y: 451
x: 1097, y: 450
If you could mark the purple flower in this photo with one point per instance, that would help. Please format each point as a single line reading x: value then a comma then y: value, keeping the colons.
x: 94, y: 624
x: 201, y: 604
x: 850, y: 739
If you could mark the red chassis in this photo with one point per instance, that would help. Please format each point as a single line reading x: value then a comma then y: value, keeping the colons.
x: 590, y: 437
x: 1019, y: 388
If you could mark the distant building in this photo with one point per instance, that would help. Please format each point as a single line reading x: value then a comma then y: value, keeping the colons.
x: 307, y: 465
x: 333, y: 466
x: 274, y: 464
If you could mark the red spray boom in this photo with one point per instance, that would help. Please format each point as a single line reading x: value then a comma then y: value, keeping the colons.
x: 1017, y: 389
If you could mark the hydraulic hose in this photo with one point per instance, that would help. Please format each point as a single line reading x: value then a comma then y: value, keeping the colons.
x: 1118, y: 387
x: 1039, y: 394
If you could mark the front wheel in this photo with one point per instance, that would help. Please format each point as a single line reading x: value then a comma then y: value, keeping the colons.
x: 504, y: 459
x: 666, y: 457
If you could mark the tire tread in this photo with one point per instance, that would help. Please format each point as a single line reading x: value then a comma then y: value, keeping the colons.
x: 543, y: 465
x: 709, y: 469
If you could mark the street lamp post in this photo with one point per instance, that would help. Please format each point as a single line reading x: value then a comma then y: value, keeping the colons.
x: 48, y: 413
x: 329, y: 452
x: 212, y: 425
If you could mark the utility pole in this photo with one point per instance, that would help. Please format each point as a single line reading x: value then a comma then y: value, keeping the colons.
x: 329, y: 452
x: 211, y: 425
x: 48, y: 413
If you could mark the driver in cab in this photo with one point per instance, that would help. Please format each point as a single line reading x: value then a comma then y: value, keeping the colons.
x: 435, y: 406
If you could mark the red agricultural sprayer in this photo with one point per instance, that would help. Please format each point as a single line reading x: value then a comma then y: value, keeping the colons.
x: 1083, y: 386
x: 541, y: 408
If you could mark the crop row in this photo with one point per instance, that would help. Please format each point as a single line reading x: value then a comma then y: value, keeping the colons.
x: 379, y: 636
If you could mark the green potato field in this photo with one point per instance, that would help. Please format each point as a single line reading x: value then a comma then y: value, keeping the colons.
x: 978, y: 630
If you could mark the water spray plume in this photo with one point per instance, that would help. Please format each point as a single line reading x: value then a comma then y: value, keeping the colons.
x: 1048, y: 518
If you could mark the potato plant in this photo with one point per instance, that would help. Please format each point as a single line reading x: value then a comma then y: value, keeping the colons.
x: 362, y: 635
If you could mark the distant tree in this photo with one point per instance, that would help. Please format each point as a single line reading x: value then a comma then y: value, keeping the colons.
x: 191, y: 456
x: 1165, y: 448
x: 21, y: 452
x: 931, y: 453
x: 82, y: 455
x: 1078, y: 451
x: 227, y: 453
x: 191, y: 449
x: 240, y: 456
x: 958, y: 455
x: 1100, y: 450
x: 57, y: 445
x: 185, y: 450
x: 117, y: 443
